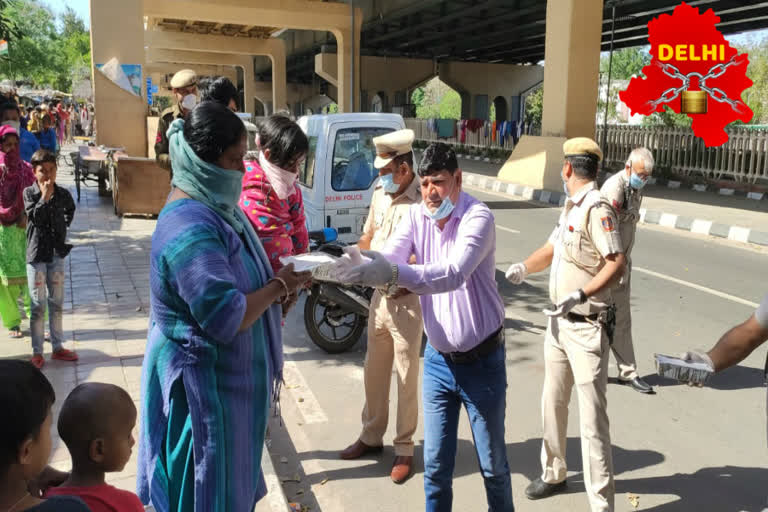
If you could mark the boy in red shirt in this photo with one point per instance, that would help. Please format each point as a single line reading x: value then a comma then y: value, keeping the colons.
x: 96, y: 423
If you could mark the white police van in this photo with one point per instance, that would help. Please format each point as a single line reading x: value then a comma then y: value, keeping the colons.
x: 338, y: 178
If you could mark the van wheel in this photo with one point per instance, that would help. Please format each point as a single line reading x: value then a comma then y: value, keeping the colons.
x: 329, y: 327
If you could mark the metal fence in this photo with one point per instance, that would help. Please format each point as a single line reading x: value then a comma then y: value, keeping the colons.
x: 744, y: 158
x: 476, y: 139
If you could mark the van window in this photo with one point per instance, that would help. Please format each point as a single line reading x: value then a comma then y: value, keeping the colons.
x: 353, y: 156
x: 307, y: 175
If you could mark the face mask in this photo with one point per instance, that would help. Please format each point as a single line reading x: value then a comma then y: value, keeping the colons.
x: 189, y: 101
x: 282, y: 181
x: 388, y: 184
x: 442, y: 211
x: 565, y: 187
x: 13, y: 124
x: 636, y: 182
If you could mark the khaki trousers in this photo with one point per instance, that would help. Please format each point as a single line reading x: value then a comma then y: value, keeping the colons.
x: 622, y: 347
x: 394, y: 335
x: 577, y: 353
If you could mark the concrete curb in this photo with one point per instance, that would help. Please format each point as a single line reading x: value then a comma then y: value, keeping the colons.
x: 275, y: 500
x: 668, y: 220
x: 723, y: 191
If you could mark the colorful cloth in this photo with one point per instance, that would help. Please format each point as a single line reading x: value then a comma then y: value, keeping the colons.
x: 13, y: 256
x: 15, y: 176
x: 101, y: 498
x: 280, y: 224
x: 200, y: 273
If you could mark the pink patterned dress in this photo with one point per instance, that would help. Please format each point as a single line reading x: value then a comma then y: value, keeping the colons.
x: 280, y: 223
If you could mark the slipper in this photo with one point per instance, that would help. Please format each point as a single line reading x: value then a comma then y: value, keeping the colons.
x: 15, y: 333
x: 37, y: 361
x: 65, y: 355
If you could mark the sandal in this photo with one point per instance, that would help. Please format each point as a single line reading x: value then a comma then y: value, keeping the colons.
x: 15, y: 333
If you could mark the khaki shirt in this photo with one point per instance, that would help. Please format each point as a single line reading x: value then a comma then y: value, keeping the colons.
x: 577, y: 259
x: 168, y: 116
x: 386, y: 212
x: 626, y: 201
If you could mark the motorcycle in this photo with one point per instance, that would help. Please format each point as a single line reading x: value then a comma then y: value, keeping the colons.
x: 335, y: 315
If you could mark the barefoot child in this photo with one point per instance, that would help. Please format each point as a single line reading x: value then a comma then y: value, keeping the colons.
x: 96, y: 423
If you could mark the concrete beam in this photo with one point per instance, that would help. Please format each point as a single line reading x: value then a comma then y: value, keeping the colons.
x: 295, y: 14
x: 243, y: 47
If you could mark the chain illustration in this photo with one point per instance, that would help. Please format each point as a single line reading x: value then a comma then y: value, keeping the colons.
x: 716, y: 94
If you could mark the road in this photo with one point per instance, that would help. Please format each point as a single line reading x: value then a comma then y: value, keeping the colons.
x: 682, y: 449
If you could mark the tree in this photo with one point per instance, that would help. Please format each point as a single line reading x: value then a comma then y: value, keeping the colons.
x: 627, y: 62
x: 534, y: 106
x: 44, y: 55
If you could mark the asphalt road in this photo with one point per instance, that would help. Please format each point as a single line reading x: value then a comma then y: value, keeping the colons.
x: 682, y: 449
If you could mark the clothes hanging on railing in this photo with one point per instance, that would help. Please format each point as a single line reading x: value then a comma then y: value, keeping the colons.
x: 446, y: 128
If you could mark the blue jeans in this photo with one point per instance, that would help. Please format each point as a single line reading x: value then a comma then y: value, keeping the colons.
x: 481, y: 387
x: 46, y: 282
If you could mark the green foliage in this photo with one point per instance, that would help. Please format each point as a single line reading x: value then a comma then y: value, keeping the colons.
x: 43, y: 54
x: 435, y: 100
x: 667, y: 118
x: 627, y: 63
x: 534, y: 106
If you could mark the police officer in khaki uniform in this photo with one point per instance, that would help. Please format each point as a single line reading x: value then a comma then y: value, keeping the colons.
x: 395, y: 321
x: 586, y: 256
x: 184, y: 87
x: 623, y: 191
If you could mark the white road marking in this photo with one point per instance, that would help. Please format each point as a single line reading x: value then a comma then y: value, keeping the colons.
x: 508, y: 230
x: 701, y: 227
x: 739, y: 234
x: 668, y: 220
x: 302, y: 394
x: 699, y: 287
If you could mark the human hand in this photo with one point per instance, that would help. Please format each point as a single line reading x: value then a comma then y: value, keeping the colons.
x: 516, y: 273
x: 697, y: 357
x: 46, y: 187
x: 293, y: 279
x: 290, y: 302
x: 565, y: 306
x: 400, y: 293
x: 376, y: 274
x: 48, y: 478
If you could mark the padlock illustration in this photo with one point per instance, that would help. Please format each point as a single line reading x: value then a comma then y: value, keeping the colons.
x: 694, y: 102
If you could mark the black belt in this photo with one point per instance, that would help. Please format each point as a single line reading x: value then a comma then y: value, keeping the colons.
x: 575, y: 317
x: 486, y: 347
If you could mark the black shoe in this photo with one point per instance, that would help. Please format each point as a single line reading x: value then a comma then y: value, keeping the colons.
x: 638, y: 385
x: 539, y: 489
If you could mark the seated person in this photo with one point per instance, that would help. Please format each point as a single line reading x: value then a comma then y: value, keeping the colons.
x: 96, y: 423
x: 25, y: 439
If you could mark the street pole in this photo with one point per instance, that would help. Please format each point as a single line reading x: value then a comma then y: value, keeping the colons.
x: 608, y: 89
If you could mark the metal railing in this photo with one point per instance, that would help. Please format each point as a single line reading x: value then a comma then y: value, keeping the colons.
x: 476, y: 139
x: 744, y: 158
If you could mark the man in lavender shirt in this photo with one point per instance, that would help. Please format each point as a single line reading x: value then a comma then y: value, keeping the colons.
x: 453, y: 238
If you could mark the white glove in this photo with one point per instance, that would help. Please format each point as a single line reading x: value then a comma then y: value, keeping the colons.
x: 353, y: 252
x: 516, y: 273
x: 376, y: 274
x: 571, y: 301
x: 697, y: 357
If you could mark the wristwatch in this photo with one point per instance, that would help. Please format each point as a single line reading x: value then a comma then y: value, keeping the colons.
x: 392, y: 283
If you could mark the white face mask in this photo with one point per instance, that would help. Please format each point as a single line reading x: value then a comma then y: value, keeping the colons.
x: 189, y: 101
x: 13, y: 124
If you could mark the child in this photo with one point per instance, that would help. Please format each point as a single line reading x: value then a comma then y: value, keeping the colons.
x: 50, y: 210
x: 25, y: 439
x: 47, y: 135
x: 96, y: 423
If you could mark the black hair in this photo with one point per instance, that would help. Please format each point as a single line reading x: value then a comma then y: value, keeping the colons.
x: 211, y: 128
x: 283, y: 138
x: 26, y: 397
x: 584, y: 166
x: 9, y: 105
x: 406, y: 158
x: 82, y: 418
x: 220, y: 89
x: 42, y: 156
x: 438, y: 157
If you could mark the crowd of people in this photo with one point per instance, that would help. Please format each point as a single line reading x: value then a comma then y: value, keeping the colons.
x: 220, y: 292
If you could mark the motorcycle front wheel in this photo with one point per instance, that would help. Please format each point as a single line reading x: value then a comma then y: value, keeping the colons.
x: 329, y: 327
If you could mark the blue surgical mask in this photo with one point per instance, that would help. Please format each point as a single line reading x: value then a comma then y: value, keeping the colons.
x: 442, y: 211
x: 636, y: 182
x: 388, y: 183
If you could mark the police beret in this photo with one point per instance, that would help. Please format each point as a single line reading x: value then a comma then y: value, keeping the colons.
x: 582, y: 146
x: 391, y: 145
x: 183, y: 78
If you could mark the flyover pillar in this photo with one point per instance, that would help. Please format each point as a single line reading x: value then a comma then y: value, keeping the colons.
x: 571, y: 73
x: 117, y: 30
